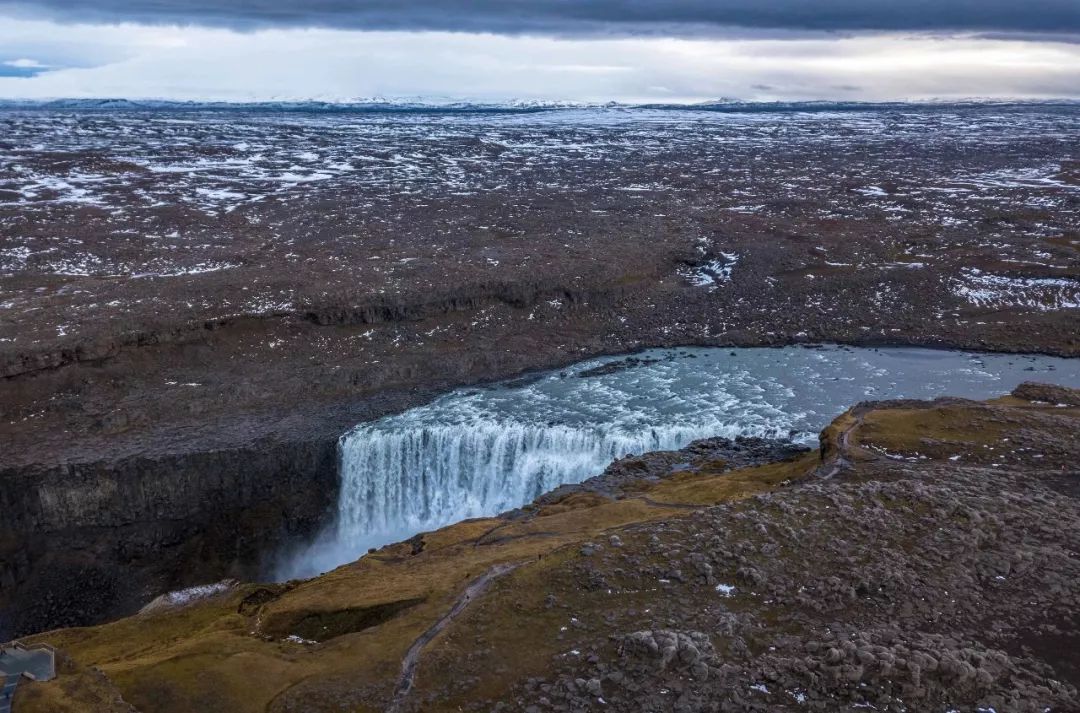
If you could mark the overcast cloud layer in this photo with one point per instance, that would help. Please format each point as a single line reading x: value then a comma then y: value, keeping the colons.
x: 575, y: 17
x: 580, y: 50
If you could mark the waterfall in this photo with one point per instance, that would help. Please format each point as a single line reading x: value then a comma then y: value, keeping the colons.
x: 479, y: 452
x: 415, y: 479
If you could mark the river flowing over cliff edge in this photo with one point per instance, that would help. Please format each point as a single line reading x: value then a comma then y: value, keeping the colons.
x: 480, y: 451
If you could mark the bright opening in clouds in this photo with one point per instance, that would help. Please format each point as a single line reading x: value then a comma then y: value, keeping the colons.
x: 682, y: 51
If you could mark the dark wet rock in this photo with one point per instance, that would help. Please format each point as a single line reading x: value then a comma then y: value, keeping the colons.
x: 682, y: 650
x: 614, y: 367
x: 110, y: 538
x: 1047, y: 393
x: 716, y: 455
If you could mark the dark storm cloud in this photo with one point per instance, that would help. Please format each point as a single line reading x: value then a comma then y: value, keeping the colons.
x: 580, y: 17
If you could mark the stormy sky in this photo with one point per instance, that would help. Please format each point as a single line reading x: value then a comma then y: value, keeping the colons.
x: 589, y: 50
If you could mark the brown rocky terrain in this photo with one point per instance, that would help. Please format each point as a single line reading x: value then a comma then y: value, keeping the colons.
x: 192, y: 311
x: 924, y: 559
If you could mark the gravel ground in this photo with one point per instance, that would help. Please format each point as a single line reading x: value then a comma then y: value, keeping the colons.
x: 902, y: 583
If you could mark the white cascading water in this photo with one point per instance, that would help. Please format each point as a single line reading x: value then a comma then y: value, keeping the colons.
x: 479, y: 452
x: 419, y: 479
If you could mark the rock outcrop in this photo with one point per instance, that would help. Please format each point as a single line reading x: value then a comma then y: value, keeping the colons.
x: 86, y: 542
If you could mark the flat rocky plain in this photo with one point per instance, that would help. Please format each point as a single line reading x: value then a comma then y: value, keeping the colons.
x: 170, y: 281
x: 193, y: 306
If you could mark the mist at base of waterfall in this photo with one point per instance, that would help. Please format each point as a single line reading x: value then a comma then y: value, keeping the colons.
x: 477, y: 452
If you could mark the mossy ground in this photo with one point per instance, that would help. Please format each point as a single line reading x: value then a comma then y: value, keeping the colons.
x: 224, y: 655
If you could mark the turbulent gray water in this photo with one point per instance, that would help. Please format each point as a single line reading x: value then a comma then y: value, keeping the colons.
x: 480, y: 451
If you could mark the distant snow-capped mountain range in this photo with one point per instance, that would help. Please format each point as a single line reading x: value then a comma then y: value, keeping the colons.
x: 445, y: 105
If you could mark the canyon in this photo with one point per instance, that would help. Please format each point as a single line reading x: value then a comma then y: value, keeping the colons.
x: 194, y: 309
x: 922, y: 556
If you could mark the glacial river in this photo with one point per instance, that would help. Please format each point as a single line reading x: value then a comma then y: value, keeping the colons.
x: 480, y: 451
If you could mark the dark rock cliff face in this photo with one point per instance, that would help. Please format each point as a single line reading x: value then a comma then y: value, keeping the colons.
x: 85, y: 542
x: 627, y: 475
x: 328, y: 312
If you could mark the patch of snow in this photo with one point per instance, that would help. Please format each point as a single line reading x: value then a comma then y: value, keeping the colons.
x: 184, y: 597
x: 294, y: 639
x: 711, y: 274
x: 199, y: 269
x: 876, y: 191
x: 993, y: 291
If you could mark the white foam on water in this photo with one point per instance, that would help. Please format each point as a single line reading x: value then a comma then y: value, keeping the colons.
x: 478, y: 452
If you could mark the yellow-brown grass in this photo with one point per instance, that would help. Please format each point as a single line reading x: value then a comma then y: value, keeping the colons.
x: 208, y: 656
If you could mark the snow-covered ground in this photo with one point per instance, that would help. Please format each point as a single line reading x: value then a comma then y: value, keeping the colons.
x: 1003, y: 292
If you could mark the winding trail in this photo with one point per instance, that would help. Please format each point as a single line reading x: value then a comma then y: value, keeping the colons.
x: 673, y: 506
x: 412, y: 657
x: 843, y: 444
x: 843, y: 457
